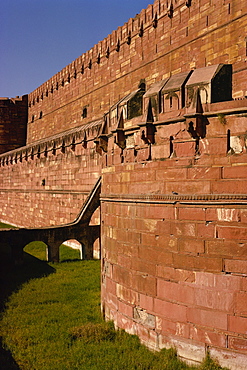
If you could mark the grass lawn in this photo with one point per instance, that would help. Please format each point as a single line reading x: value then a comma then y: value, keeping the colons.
x: 6, y: 226
x: 52, y: 321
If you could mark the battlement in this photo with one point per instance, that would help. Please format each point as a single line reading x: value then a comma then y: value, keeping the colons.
x: 181, y: 14
x: 192, y: 97
x: 166, y: 38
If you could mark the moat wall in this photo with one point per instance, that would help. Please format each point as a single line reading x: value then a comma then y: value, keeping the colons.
x: 173, y: 202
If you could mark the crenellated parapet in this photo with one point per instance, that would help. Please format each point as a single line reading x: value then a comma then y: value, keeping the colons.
x: 166, y: 38
x: 136, y: 120
x: 145, y: 22
x: 53, y: 145
x: 103, y: 50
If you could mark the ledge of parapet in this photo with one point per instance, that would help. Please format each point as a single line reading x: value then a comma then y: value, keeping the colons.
x: 220, y: 199
x: 226, y: 112
x: 73, y: 131
x: 81, y: 134
x: 90, y: 131
x: 169, y: 121
x: 228, y: 105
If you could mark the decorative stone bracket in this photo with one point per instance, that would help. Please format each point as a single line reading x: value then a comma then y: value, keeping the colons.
x: 149, y: 129
x: 120, y: 136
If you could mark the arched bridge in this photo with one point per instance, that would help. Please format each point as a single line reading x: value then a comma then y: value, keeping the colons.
x: 54, y: 236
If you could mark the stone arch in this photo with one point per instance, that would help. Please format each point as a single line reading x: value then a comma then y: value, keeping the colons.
x: 95, y: 217
x: 39, y: 249
x: 97, y: 249
x: 95, y: 221
x: 172, y: 101
x: 85, y: 229
x: 203, y: 94
x: 76, y: 249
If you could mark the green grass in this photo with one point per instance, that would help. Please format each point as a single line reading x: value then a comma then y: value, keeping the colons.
x: 6, y: 226
x: 38, y: 250
x: 52, y: 321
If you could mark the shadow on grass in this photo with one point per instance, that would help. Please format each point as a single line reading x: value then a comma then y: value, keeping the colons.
x: 70, y: 260
x: 11, y: 279
x: 6, y: 360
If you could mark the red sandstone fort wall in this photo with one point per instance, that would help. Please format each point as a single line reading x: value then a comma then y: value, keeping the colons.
x: 50, y: 189
x: 174, y: 243
x: 162, y: 42
x: 173, y: 201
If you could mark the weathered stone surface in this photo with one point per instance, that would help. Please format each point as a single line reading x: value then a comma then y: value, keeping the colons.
x: 173, y: 164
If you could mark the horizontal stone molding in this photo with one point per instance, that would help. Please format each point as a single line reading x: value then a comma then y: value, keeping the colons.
x: 48, y: 191
x: 79, y: 135
x: 207, y: 199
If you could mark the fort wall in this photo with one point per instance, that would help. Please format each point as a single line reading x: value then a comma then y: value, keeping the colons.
x: 161, y: 41
x: 161, y: 116
x: 47, y: 184
x: 174, y: 247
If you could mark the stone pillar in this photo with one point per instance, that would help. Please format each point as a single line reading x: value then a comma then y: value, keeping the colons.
x: 17, y: 254
x: 53, y: 253
x: 87, y: 248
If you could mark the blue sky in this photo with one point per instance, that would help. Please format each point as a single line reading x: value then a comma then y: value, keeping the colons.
x: 40, y: 37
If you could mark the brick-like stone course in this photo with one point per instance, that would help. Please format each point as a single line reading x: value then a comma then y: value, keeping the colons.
x: 52, y: 188
x: 173, y: 202
x: 192, y: 38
